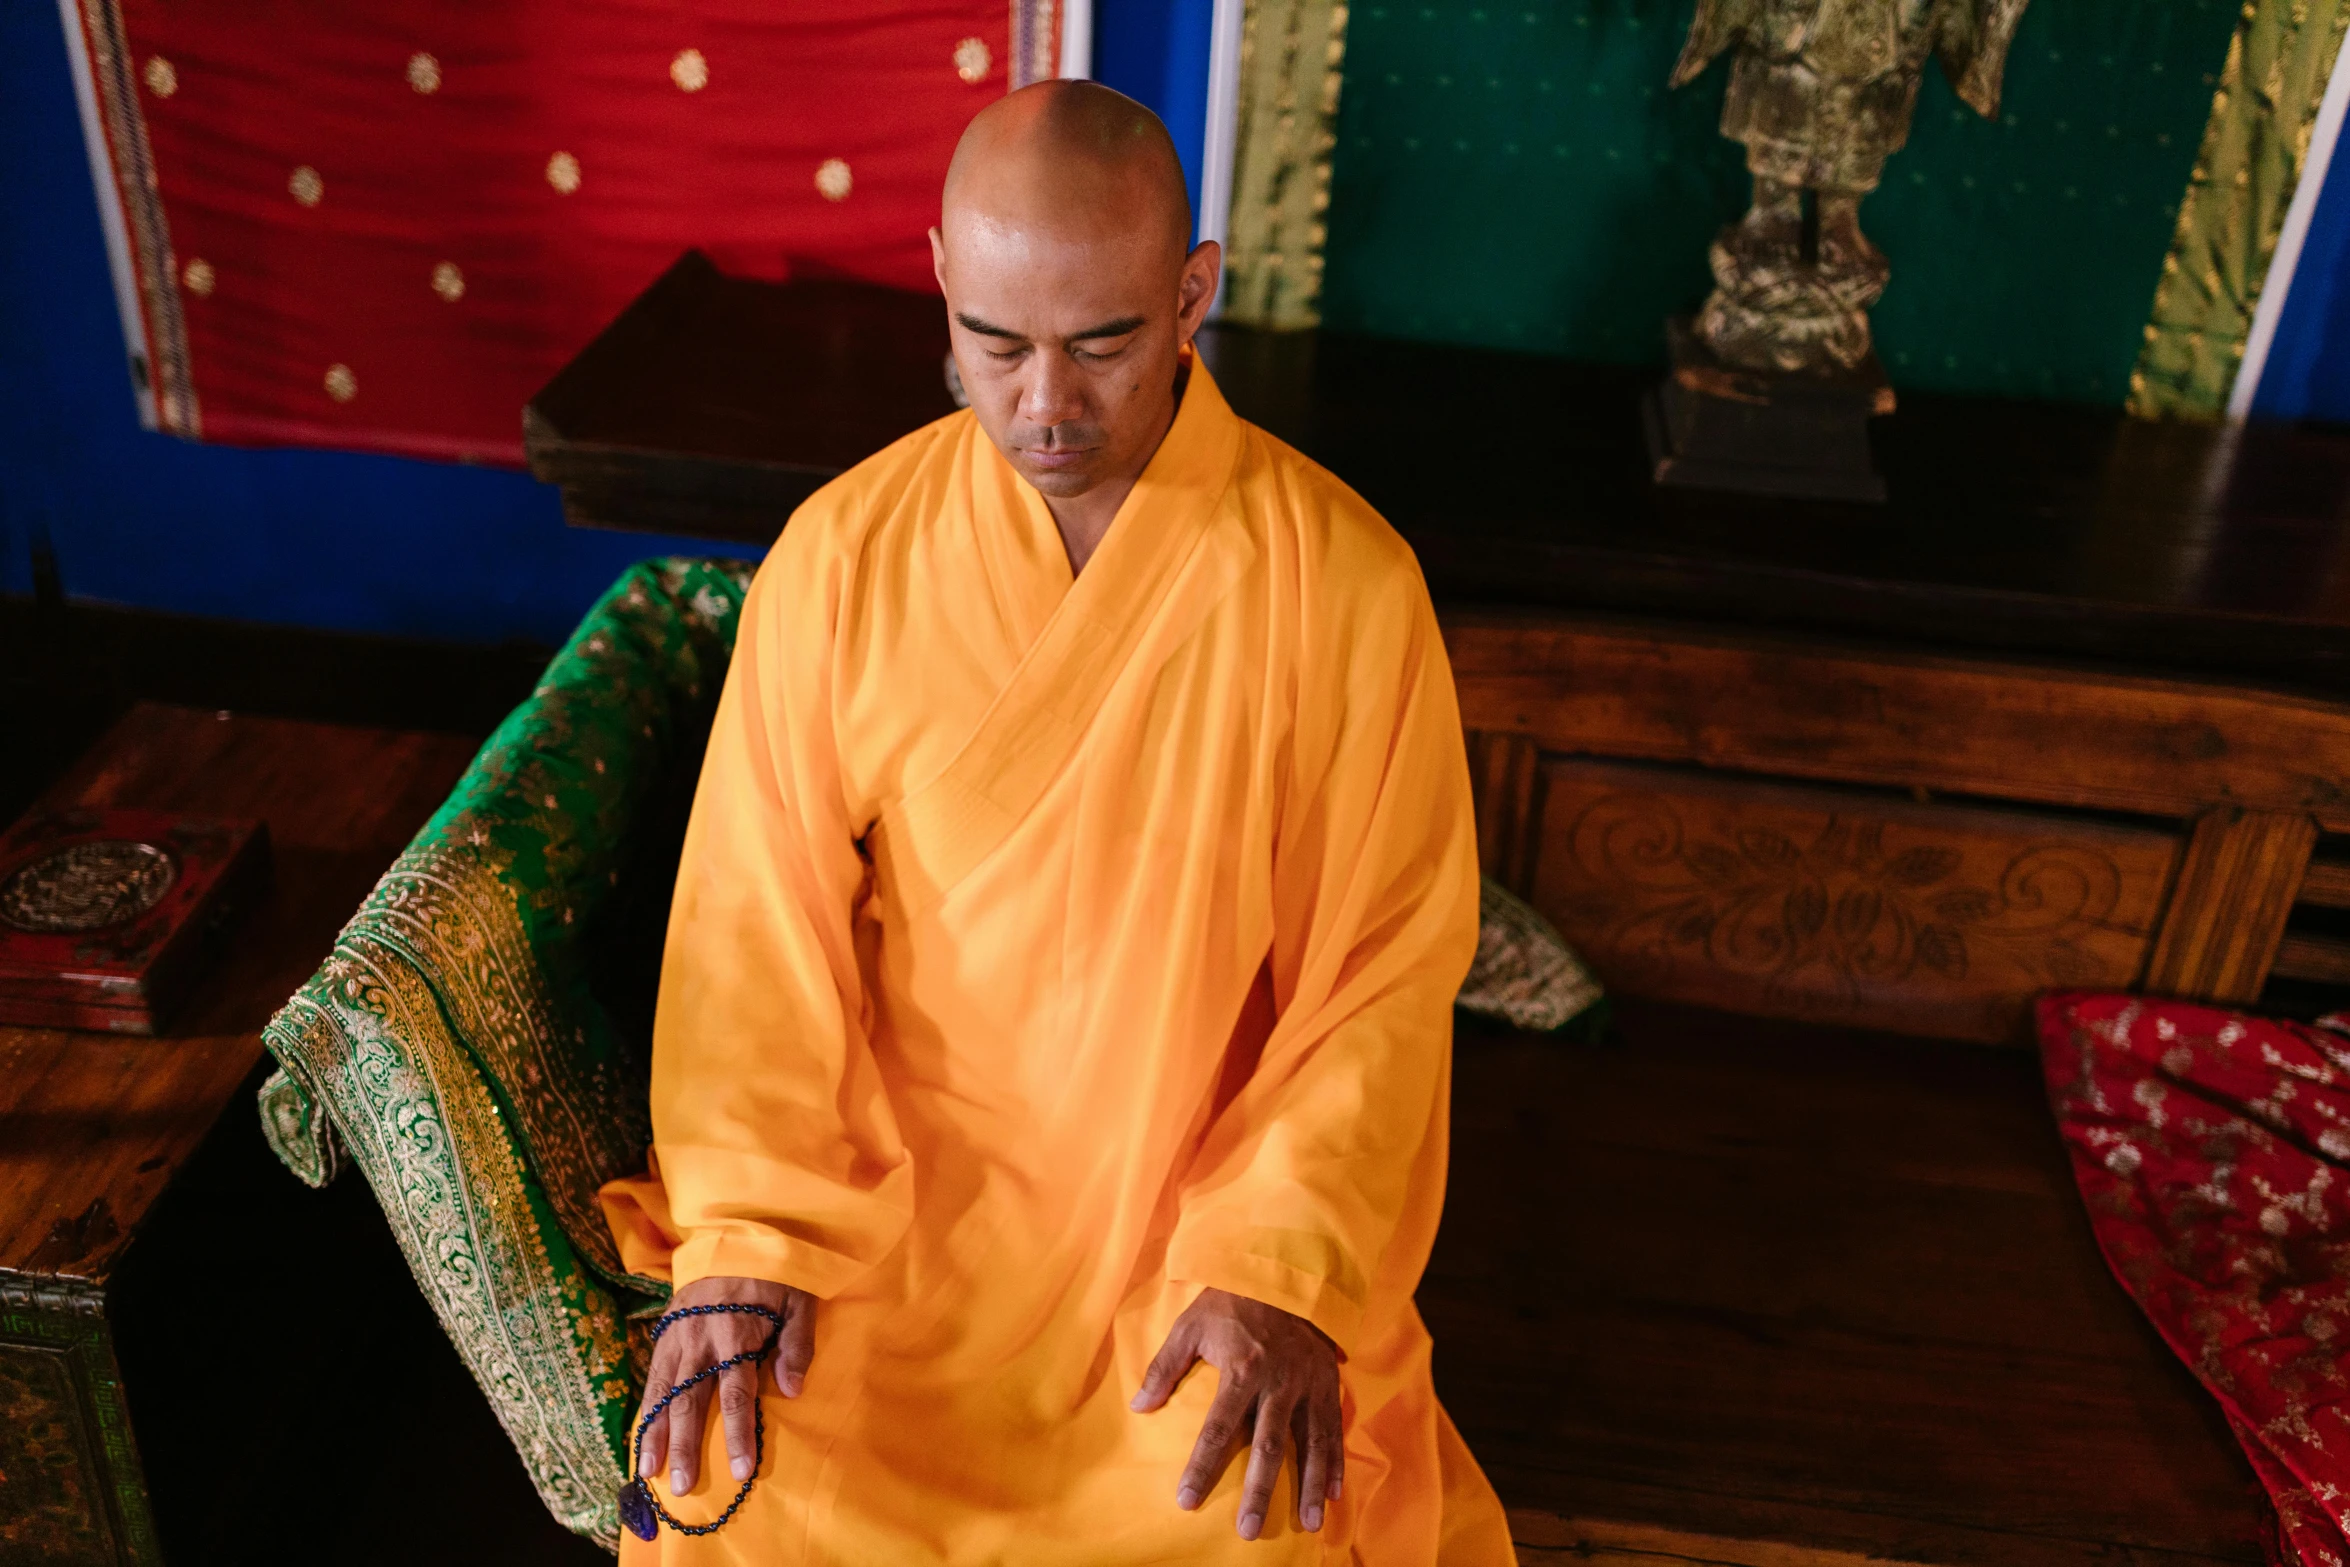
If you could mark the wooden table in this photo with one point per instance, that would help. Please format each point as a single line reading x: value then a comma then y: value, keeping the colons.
x: 93, y: 1127
x: 714, y: 405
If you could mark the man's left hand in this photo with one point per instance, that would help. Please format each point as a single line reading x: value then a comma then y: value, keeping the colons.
x: 1275, y: 1372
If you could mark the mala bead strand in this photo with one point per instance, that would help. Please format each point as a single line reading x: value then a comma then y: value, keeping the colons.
x: 640, y: 1510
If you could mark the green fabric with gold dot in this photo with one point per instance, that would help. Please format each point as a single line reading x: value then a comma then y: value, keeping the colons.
x: 1519, y: 176
x: 477, y: 1042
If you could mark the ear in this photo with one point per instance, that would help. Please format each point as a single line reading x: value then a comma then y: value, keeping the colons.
x: 1195, y: 289
x: 938, y: 259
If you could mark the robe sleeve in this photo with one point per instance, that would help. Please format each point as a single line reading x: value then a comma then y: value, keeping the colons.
x: 774, y: 1136
x: 1301, y: 1181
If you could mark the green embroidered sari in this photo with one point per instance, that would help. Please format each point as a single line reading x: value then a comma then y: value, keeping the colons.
x: 477, y: 1043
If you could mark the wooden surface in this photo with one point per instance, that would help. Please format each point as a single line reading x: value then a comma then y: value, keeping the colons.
x: 2242, y: 873
x: 2025, y: 528
x: 713, y: 406
x: 94, y: 1126
x: 2322, y: 959
x: 2045, y: 734
x: 1841, y: 905
x: 1781, y: 1286
x: 2099, y: 776
x: 2326, y: 884
x: 1503, y: 771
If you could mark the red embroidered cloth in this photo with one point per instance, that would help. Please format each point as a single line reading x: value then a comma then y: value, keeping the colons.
x: 2213, y: 1150
x: 386, y: 223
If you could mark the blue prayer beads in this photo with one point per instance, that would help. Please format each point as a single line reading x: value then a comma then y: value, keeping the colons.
x: 641, y: 1511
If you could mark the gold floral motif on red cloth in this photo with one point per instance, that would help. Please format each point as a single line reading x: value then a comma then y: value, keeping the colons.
x: 2213, y: 1151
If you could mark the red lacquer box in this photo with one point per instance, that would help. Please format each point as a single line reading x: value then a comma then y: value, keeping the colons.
x: 108, y: 917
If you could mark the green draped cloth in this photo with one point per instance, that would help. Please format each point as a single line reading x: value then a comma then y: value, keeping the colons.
x: 477, y: 1043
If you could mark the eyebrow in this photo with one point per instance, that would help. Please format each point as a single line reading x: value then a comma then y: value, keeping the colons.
x: 1117, y: 328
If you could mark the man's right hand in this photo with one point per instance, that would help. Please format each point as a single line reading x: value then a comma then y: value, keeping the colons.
x: 698, y: 1343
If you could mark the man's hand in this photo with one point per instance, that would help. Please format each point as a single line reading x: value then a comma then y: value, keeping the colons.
x: 698, y: 1343
x: 1276, y: 1372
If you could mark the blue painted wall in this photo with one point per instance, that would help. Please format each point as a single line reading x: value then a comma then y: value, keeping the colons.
x: 1156, y: 52
x: 2308, y: 371
x: 324, y: 539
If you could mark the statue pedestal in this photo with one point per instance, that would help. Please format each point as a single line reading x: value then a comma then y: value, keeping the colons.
x: 1714, y: 426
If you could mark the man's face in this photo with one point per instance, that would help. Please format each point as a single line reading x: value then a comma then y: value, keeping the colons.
x: 1067, y: 338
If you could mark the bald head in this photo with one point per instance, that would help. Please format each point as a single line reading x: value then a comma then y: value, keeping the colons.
x: 1072, y: 288
x: 1071, y: 155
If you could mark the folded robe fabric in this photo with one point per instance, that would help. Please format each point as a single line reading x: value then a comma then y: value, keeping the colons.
x: 2213, y: 1151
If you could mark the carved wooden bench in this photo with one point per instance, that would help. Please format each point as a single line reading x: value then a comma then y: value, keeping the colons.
x: 1897, y: 840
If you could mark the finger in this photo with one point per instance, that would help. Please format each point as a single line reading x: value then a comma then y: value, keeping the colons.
x: 1334, y: 1417
x: 1165, y: 1372
x: 688, y: 1416
x: 659, y: 1378
x: 795, y: 1347
x: 1208, y: 1454
x: 656, y: 1439
x: 1316, y: 1439
x: 738, y: 1400
x: 1265, y: 1454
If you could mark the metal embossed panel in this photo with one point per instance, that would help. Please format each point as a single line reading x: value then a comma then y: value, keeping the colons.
x: 1838, y: 906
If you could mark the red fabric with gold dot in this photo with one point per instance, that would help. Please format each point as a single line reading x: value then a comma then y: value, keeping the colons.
x: 488, y: 185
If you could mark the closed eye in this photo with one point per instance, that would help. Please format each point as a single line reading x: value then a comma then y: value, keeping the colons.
x: 1105, y: 341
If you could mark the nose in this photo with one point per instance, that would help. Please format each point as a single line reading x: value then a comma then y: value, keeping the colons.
x: 1055, y: 393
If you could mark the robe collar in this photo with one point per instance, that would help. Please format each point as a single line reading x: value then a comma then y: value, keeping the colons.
x: 1026, y: 562
x: 1173, y: 551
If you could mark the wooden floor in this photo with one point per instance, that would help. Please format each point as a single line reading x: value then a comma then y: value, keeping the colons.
x: 1727, y: 1283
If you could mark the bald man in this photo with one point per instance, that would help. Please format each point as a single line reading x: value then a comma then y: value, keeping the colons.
x: 1055, y: 1023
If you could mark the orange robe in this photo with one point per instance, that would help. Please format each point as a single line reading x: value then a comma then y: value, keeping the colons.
x: 1045, y: 950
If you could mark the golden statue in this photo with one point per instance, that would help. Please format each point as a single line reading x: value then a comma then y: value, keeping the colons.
x: 1821, y: 93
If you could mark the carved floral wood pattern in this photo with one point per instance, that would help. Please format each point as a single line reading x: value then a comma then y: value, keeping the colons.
x: 1840, y: 907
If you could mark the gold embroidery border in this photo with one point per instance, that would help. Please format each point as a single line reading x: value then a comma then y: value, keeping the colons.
x: 1292, y: 55
x: 1035, y: 41
x: 133, y: 162
x: 423, y: 1128
x: 447, y: 913
x: 2254, y: 147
